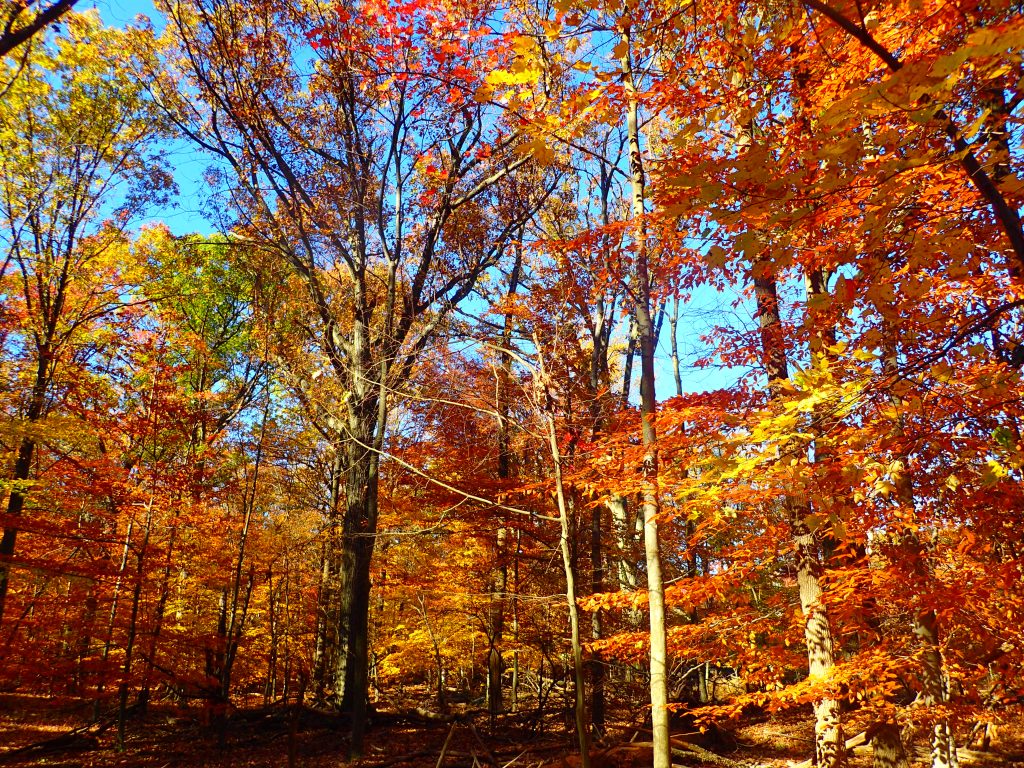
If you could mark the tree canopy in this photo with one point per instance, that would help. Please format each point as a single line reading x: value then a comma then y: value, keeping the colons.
x: 665, y: 356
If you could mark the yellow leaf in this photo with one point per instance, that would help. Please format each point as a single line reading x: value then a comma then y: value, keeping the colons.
x: 716, y: 256
x: 943, y: 372
x: 538, y: 148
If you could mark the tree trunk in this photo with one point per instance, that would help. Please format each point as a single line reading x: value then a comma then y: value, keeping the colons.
x: 496, y: 609
x: 627, y: 366
x: 829, y: 744
x: 270, y: 687
x: 329, y: 642
x: 673, y: 322
x: 495, y: 620
x: 623, y: 528
x: 597, y: 714
x: 515, y: 621
x: 129, y: 648
x: 359, y: 537
x: 887, y: 747
x: 934, y: 682
x: 22, y: 471
x: 600, y: 325
x: 238, y: 607
x: 86, y: 637
x: 158, y: 619
x: 579, y: 709
x: 646, y: 338
x: 935, y: 689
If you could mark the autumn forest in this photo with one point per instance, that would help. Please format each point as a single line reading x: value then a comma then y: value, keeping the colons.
x: 550, y: 382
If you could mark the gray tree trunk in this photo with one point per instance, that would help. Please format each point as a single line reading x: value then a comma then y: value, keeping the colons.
x: 829, y: 743
x: 646, y: 337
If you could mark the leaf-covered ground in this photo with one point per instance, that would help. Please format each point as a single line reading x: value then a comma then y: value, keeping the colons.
x: 39, y: 731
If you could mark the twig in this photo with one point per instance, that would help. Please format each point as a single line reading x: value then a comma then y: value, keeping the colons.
x: 487, y: 752
x: 444, y: 747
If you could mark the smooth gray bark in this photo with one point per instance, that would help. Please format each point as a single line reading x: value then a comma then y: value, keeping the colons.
x: 646, y: 335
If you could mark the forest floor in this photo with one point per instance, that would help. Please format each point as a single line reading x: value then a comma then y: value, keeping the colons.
x: 41, y: 731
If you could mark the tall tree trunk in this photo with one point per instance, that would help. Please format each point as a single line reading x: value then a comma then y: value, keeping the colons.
x: 86, y: 637
x: 158, y: 619
x: 129, y: 647
x: 597, y: 714
x: 515, y: 620
x: 624, y: 530
x: 627, y: 366
x: 359, y: 537
x: 934, y: 681
x: 499, y: 581
x: 495, y: 621
x: 238, y: 607
x: 646, y: 337
x: 600, y: 324
x: 829, y: 744
x: 112, y: 616
x: 22, y: 471
x: 329, y: 649
x: 270, y: 687
x: 935, y: 688
x: 674, y: 345
x: 287, y: 672
x: 580, y: 708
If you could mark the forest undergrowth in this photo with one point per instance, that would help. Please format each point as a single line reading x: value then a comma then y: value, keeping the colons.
x: 405, y: 732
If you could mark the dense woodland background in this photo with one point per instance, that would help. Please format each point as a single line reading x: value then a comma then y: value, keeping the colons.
x: 583, y: 359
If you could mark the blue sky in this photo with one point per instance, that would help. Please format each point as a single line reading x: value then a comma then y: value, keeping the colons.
x: 120, y: 12
x: 185, y: 215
